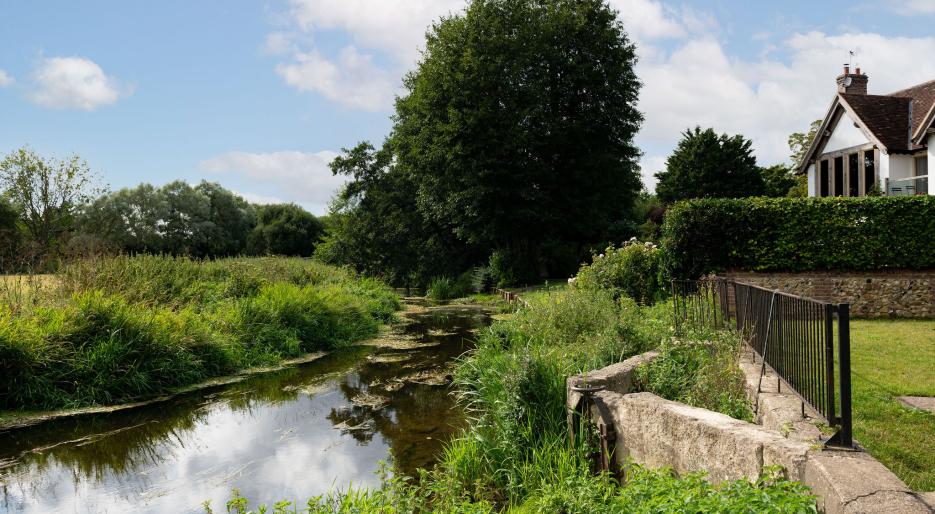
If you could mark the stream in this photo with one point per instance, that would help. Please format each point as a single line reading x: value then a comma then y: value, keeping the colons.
x: 285, y: 435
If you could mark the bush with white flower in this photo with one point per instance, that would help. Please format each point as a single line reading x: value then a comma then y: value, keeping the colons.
x: 634, y: 270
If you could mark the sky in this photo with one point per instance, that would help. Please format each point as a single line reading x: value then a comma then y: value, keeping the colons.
x: 260, y: 95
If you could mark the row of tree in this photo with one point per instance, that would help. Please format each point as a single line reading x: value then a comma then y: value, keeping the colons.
x: 51, y: 208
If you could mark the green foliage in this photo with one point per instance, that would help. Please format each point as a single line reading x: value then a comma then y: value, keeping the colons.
x: 201, y: 221
x: 285, y: 229
x: 47, y: 193
x: 9, y: 236
x: 124, y: 328
x: 375, y: 225
x: 634, y: 270
x: 515, y: 134
x: 444, y: 288
x: 703, y: 374
x: 799, y: 234
x: 799, y: 143
x: 707, y: 165
x: 778, y: 180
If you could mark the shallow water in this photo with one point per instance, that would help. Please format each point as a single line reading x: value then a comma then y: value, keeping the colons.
x: 291, y: 434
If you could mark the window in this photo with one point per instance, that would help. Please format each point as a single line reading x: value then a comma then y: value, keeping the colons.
x: 839, y: 176
x: 823, y: 179
x: 870, y: 171
x: 921, y: 166
x: 853, y: 175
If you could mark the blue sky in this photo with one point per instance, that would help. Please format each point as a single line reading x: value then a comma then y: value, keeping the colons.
x: 259, y: 95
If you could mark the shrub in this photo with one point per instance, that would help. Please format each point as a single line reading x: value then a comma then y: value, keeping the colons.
x: 633, y: 270
x: 703, y: 372
x: 799, y: 234
x: 444, y: 288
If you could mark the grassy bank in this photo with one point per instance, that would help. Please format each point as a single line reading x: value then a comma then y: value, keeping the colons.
x: 117, y: 329
x: 891, y: 358
x: 514, y: 455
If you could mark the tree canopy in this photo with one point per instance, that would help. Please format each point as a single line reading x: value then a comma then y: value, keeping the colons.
x: 707, y: 165
x: 515, y: 134
x: 284, y: 229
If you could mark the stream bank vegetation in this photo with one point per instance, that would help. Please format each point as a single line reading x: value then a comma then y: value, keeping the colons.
x: 117, y: 329
x: 514, y: 454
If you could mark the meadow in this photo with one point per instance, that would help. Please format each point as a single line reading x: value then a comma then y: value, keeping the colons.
x: 117, y: 329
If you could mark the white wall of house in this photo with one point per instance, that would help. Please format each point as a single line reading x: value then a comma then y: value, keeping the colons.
x: 845, y: 135
x: 931, y: 155
x: 812, y: 182
x: 900, y: 166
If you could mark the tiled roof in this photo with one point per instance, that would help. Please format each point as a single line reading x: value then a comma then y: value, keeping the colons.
x: 923, y: 98
x: 887, y: 117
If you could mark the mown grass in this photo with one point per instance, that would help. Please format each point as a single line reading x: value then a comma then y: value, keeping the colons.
x: 891, y: 358
x: 123, y: 328
x: 514, y: 455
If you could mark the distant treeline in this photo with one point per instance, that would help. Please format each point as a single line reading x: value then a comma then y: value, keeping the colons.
x: 51, y: 210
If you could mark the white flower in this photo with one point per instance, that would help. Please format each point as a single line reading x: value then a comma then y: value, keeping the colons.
x: 572, y: 280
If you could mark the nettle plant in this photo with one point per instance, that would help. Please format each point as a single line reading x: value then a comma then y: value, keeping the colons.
x: 633, y: 270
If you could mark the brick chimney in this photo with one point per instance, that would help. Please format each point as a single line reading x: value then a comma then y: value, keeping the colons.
x: 853, y: 83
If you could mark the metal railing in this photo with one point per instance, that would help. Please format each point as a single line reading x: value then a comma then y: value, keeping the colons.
x: 792, y: 335
x: 701, y: 303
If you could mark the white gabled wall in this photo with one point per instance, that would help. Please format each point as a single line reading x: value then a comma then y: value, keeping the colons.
x: 812, y: 190
x: 845, y: 135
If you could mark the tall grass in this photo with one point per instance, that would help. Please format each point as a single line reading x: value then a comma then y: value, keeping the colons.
x: 123, y: 328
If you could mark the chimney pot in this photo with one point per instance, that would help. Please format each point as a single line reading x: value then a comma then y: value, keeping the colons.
x: 858, y: 70
x: 847, y: 69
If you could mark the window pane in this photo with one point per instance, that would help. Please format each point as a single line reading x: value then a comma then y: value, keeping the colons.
x: 921, y: 166
x: 839, y: 176
x: 823, y: 180
x: 853, y: 175
x: 870, y: 173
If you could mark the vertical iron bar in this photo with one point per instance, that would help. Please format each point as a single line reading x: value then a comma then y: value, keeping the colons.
x: 829, y: 363
x: 844, y: 361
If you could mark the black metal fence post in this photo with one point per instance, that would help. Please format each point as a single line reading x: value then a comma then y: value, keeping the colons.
x: 844, y: 437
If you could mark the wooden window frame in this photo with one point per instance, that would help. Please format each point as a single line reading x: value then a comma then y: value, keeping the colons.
x: 844, y: 153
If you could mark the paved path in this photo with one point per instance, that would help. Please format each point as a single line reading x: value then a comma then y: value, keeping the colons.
x: 919, y: 402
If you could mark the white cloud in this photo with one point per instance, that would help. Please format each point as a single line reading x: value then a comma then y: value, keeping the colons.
x: 73, y: 83
x: 5, y: 79
x: 296, y: 176
x: 352, y: 80
x: 259, y: 199
x: 396, y: 27
x: 910, y: 7
x: 645, y: 19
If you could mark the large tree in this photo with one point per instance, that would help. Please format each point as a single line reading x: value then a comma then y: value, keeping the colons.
x: 708, y: 165
x: 47, y: 192
x: 517, y: 128
x: 284, y: 229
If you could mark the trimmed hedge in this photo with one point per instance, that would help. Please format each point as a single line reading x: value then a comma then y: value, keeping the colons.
x: 799, y: 234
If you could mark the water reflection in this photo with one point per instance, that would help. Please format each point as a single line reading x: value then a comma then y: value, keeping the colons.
x: 285, y: 435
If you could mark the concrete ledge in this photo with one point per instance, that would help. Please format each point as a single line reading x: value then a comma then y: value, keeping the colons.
x: 852, y: 482
x: 656, y: 432
x: 616, y: 377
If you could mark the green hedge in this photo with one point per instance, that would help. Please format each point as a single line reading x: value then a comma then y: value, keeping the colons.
x: 799, y: 234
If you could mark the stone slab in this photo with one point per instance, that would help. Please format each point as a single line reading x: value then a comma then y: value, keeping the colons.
x: 919, y: 402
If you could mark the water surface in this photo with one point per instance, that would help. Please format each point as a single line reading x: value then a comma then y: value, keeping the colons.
x: 290, y: 434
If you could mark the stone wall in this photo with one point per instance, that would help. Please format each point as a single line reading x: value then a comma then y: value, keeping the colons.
x: 871, y: 294
x: 655, y: 432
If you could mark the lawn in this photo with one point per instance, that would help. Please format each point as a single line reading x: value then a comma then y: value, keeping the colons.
x: 891, y: 358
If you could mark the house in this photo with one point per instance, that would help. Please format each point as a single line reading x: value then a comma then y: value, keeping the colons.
x: 867, y: 140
